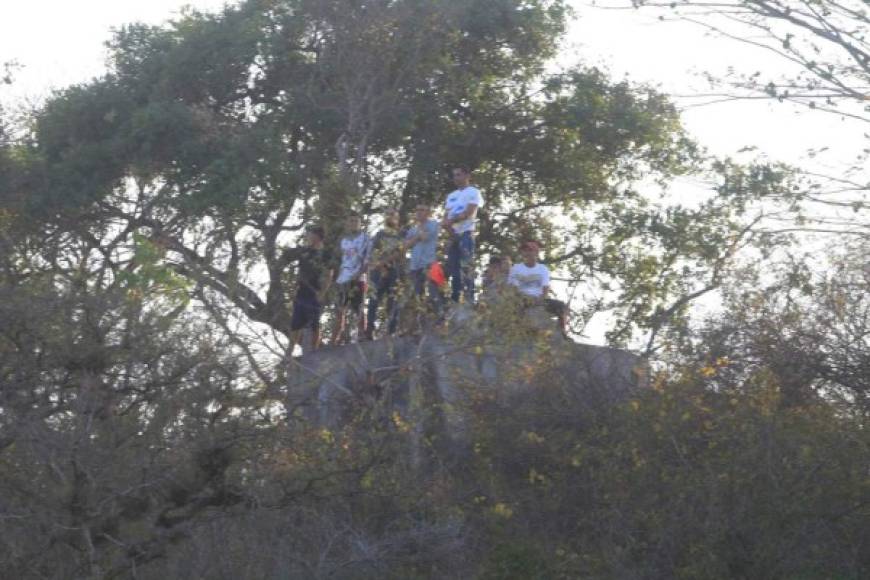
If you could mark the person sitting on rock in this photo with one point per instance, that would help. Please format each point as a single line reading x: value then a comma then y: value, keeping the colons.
x: 313, y: 276
x: 422, y: 239
x: 495, y: 277
x: 532, y: 280
x: 351, y: 280
x: 385, y: 261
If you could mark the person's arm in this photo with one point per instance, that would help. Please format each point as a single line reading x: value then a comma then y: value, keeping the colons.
x: 325, y: 284
x: 469, y: 211
x: 545, y: 284
x: 368, y: 249
x: 473, y: 201
x: 445, y: 221
x: 290, y: 256
x: 418, y: 237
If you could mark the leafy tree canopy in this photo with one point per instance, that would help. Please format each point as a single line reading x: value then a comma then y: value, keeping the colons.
x: 220, y: 135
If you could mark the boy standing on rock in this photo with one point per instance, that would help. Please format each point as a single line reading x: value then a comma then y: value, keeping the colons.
x: 422, y: 239
x: 460, y: 219
x: 313, y: 278
x: 351, y: 278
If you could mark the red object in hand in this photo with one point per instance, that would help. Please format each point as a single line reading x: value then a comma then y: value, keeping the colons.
x: 436, y: 274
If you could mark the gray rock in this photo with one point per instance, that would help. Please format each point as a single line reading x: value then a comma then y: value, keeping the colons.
x: 443, y: 370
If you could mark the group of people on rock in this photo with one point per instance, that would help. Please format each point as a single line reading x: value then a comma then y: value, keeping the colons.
x: 390, y: 261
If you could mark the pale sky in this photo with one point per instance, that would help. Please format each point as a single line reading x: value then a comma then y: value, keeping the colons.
x: 671, y: 55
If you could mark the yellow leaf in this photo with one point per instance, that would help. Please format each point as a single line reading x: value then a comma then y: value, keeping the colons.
x: 502, y: 510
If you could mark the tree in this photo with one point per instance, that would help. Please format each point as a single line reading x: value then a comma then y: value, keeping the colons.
x: 824, y: 49
x: 128, y: 420
x: 825, y: 42
x: 218, y: 136
x: 805, y: 326
x: 147, y: 224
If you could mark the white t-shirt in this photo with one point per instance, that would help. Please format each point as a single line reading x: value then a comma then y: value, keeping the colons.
x: 530, y: 281
x: 353, y: 255
x: 456, y: 204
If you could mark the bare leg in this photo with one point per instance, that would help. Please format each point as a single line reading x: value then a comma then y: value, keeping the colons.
x: 361, y: 322
x: 563, y: 320
x: 338, y: 330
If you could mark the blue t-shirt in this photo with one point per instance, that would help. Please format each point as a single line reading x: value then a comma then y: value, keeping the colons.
x: 423, y: 252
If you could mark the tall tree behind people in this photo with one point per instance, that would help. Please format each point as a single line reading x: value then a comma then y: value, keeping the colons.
x: 224, y: 134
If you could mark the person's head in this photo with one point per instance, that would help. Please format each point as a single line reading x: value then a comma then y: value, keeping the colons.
x: 506, y: 264
x: 391, y: 218
x: 529, y: 251
x: 499, y: 266
x: 314, y: 236
x: 461, y: 176
x: 353, y: 224
x: 422, y: 212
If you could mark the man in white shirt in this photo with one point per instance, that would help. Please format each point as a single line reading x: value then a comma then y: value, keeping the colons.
x: 460, y: 219
x: 351, y: 280
x: 532, y: 279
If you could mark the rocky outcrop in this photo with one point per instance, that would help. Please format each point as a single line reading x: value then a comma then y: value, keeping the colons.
x: 445, y: 369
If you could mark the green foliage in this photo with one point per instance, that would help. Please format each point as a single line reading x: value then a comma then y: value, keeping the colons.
x: 150, y: 277
x: 680, y: 482
x: 515, y: 562
x: 133, y: 436
x: 149, y: 219
x: 228, y: 132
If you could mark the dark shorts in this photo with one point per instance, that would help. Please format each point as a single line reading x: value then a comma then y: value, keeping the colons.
x: 351, y: 294
x: 384, y: 279
x: 551, y: 305
x: 555, y: 307
x: 306, y: 312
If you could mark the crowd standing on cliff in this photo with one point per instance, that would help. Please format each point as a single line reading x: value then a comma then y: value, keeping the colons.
x: 392, y: 266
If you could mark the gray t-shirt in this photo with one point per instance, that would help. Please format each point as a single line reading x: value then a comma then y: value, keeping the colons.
x: 423, y: 252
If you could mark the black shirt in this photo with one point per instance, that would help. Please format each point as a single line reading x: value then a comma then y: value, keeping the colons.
x: 313, y: 265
